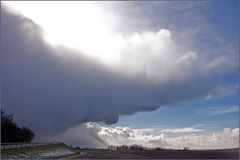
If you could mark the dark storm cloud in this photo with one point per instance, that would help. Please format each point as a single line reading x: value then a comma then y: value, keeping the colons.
x: 51, y: 89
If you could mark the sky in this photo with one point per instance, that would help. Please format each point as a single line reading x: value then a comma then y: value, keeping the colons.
x: 93, y: 74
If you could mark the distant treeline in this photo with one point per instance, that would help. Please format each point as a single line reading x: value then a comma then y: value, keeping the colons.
x: 11, y: 132
x: 131, y: 147
x: 139, y: 147
x: 125, y: 147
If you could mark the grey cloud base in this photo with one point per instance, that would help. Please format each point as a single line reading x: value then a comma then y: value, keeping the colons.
x: 52, y: 89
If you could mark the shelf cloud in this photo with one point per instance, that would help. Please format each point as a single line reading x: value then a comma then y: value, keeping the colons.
x: 52, y: 89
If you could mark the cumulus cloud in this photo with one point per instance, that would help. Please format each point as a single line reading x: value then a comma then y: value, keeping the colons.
x: 112, y: 136
x: 150, y: 137
x: 156, y: 56
x: 51, y: 89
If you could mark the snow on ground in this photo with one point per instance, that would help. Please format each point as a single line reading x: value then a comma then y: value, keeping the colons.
x: 42, y: 154
x: 56, y: 153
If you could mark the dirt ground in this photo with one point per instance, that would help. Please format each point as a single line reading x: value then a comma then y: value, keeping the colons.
x: 158, y: 154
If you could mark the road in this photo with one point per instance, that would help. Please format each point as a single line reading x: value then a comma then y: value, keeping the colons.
x: 156, y: 154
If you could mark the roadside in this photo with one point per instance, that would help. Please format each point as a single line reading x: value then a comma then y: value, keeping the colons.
x: 76, y: 155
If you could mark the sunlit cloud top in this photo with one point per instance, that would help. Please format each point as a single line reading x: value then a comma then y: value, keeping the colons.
x: 79, y: 25
x: 91, y: 29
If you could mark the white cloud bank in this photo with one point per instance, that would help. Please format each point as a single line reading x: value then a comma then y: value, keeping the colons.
x: 229, y: 138
x: 101, y: 136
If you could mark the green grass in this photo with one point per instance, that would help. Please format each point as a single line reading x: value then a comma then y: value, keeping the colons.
x: 5, y: 154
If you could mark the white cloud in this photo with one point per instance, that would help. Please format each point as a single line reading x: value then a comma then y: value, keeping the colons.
x: 224, y: 110
x: 151, y: 137
x: 218, y: 110
x: 187, y: 58
x: 182, y: 130
x: 222, y: 90
x: 154, y: 55
x: 126, y: 135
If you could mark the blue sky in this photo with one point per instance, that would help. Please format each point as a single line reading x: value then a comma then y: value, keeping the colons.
x: 154, y: 73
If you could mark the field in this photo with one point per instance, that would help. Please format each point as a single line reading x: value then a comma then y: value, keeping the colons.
x: 159, y: 154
